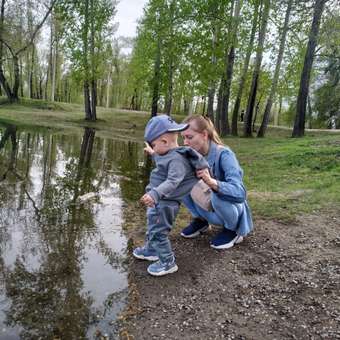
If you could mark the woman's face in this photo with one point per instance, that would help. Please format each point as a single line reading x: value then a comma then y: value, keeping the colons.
x: 197, y: 140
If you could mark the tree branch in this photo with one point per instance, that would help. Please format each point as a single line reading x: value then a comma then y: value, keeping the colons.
x: 8, y: 46
x: 37, y: 28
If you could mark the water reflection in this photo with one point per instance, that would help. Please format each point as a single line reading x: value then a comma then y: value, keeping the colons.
x: 61, y: 246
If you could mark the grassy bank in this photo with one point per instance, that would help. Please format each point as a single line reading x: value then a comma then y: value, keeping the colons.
x: 110, y: 123
x: 285, y: 177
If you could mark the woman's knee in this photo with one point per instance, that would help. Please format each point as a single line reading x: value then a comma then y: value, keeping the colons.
x: 227, y: 211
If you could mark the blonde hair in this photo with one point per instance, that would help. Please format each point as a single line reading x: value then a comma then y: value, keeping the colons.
x: 204, y: 123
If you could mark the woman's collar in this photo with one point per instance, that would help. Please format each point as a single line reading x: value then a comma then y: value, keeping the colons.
x: 212, y: 153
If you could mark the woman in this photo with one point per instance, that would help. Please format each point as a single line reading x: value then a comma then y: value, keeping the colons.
x: 230, y: 208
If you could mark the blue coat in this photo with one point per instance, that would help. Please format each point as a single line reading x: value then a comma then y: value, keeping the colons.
x: 229, y: 175
x: 174, y: 175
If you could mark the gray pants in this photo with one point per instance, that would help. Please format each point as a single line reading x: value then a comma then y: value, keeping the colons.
x: 160, y: 220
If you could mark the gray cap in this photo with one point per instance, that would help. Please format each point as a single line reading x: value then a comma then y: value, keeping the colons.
x: 161, y: 124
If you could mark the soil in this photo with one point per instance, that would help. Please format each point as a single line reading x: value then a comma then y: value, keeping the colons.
x: 281, y: 282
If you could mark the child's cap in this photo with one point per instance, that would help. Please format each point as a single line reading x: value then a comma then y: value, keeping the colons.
x: 161, y: 124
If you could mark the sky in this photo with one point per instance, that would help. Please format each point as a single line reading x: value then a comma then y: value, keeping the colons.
x: 128, y: 11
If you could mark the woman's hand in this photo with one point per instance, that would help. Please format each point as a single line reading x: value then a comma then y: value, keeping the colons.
x: 147, y: 200
x: 205, y: 175
x: 148, y: 149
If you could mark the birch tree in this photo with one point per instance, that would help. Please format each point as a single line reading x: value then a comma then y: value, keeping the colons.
x: 270, y: 99
x: 256, y: 73
x: 236, y: 109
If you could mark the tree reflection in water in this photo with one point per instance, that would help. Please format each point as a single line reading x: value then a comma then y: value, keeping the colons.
x: 47, y: 295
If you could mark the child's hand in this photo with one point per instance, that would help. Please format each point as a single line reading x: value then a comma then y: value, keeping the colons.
x: 148, y: 149
x: 147, y: 200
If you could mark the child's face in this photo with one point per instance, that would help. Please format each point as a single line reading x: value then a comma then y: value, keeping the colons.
x: 160, y: 145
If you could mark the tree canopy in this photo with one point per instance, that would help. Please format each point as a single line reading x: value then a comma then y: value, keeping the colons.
x: 257, y: 61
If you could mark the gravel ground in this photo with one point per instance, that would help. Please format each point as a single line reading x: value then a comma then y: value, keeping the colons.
x: 281, y: 282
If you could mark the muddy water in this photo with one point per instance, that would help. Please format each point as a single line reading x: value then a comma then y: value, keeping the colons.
x: 62, y: 245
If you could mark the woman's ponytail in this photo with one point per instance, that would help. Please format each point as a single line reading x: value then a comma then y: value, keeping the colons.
x: 204, y: 123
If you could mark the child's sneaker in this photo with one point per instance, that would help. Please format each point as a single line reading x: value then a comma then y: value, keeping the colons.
x: 143, y: 253
x: 195, y: 228
x: 226, y: 239
x: 160, y: 269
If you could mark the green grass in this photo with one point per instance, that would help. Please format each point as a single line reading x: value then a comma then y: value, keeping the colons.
x: 111, y: 123
x: 285, y: 177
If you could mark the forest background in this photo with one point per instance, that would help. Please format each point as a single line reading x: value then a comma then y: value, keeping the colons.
x: 259, y: 61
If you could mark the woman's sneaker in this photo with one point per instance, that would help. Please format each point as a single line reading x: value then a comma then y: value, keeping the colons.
x: 143, y: 253
x: 226, y: 239
x: 159, y: 269
x: 195, y: 228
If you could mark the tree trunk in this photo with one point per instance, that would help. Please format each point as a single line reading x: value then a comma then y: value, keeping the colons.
x: 21, y: 62
x: 211, y: 98
x: 236, y: 110
x: 30, y: 52
x: 219, y: 106
x: 257, y: 108
x: 156, y: 78
x: 108, y: 81
x: 21, y: 79
x: 30, y: 76
x: 222, y: 106
x: 87, y: 100
x: 310, y: 112
x: 49, y: 73
x: 54, y: 65
x: 169, y: 94
x: 204, y: 104
x: 87, y: 97
x: 270, y: 100
x: 277, y: 111
x: 86, y: 147
x: 94, y: 100
x: 40, y: 92
x: 16, y: 70
x: 3, y: 80
x: 53, y: 72
x: 168, y: 102
x: 247, y: 128
x: 225, y: 129
x: 93, y: 70
x: 299, y: 125
x: 212, y: 85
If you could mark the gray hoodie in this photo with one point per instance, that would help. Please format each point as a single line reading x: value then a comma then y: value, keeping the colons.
x: 174, y: 175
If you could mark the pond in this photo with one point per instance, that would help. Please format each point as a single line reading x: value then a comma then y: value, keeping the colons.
x: 63, y: 198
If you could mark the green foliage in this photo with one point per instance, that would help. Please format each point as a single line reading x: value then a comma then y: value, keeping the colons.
x: 327, y: 105
x: 76, y: 37
x: 327, y: 96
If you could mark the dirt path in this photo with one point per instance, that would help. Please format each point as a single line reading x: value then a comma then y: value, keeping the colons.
x: 282, y: 282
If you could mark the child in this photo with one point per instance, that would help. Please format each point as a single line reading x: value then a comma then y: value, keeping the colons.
x: 171, y: 180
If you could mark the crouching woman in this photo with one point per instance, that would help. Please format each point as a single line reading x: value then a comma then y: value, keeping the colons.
x: 225, y: 178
